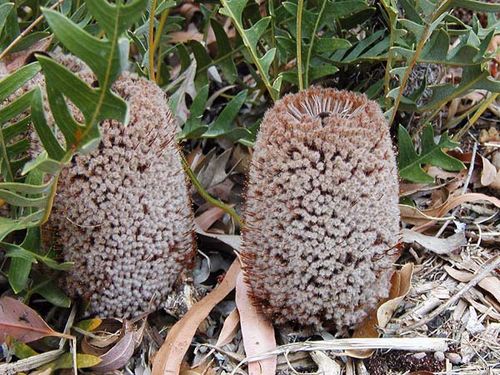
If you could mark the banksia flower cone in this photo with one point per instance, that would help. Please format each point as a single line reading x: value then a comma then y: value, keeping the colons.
x: 122, y: 213
x: 321, y: 210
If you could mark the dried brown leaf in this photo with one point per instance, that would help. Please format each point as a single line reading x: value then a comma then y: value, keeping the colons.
x: 400, y: 286
x: 427, y: 217
x: 489, y: 172
x: 109, y: 332
x: 257, y: 332
x: 168, y: 360
x: 435, y: 244
x: 119, y: 355
x: 22, y: 322
x: 17, y: 59
x: 229, y: 329
x: 209, y: 217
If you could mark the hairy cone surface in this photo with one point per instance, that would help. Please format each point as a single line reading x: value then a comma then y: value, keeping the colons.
x: 122, y: 214
x: 321, y: 210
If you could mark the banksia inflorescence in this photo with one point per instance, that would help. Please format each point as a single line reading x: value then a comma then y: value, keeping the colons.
x: 321, y: 210
x: 122, y: 214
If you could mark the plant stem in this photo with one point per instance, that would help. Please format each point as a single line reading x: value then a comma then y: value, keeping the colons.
x: 157, y: 41
x: 151, y: 54
x: 484, y: 106
x: 311, y: 46
x: 205, y: 195
x: 300, y: 9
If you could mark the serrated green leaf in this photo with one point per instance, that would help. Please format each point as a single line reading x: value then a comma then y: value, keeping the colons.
x: 45, y: 134
x: 267, y: 60
x: 115, y: 19
x: 16, y: 251
x: 250, y: 37
x: 102, y: 56
x: 224, y: 52
x: 17, y: 79
x: 194, y: 128
x: 224, y: 122
x: 410, y: 162
x: 321, y: 71
x: 322, y: 45
x: 19, y: 268
x: 473, y: 77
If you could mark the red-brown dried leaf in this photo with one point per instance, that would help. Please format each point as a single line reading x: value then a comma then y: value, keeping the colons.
x: 22, y: 322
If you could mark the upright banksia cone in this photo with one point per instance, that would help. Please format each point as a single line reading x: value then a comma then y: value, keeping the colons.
x: 321, y: 210
x: 122, y: 214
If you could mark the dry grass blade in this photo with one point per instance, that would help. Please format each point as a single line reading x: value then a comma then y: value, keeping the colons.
x: 414, y: 344
x: 169, y: 358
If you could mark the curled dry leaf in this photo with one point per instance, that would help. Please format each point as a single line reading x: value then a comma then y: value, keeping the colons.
x: 257, y: 332
x: 229, y: 329
x: 109, y: 332
x: 209, y: 217
x: 464, y: 198
x: 400, y: 286
x: 490, y: 283
x: 489, y: 172
x: 168, y: 360
x: 114, y: 343
x: 326, y: 365
x: 435, y: 244
x: 22, y: 322
x: 118, y: 356
x: 17, y: 59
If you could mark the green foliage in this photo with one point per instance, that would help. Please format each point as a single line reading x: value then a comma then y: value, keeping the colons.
x: 222, y: 125
x: 30, y: 199
x: 410, y: 162
x: 421, y: 34
x: 251, y: 36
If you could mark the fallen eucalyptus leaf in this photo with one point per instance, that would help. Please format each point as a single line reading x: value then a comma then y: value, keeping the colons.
x: 229, y: 329
x: 22, y: 322
x: 257, y: 332
x: 168, y: 360
x: 435, y: 244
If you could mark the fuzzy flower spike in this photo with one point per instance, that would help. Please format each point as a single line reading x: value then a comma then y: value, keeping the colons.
x: 122, y: 213
x: 321, y: 210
